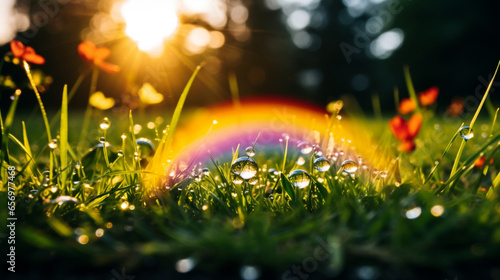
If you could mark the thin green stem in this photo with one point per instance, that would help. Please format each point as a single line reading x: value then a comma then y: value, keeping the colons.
x: 411, y: 89
x: 44, y: 114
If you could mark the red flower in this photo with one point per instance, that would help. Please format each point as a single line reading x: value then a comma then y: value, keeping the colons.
x: 406, y: 106
x: 94, y: 55
x: 479, y: 163
x: 26, y: 53
x: 428, y: 97
x: 425, y: 98
x: 405, y: 131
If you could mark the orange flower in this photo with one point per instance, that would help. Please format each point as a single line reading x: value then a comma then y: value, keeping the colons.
x: 479, y: 163
x: 26, y: 53
x: 456, y: 107
x: 405, y: 131
x: 94, y: 55
x: 428, y: 97
x: 406, y: 106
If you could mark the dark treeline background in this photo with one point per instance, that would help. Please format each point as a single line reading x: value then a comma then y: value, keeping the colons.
x: 450, y: 44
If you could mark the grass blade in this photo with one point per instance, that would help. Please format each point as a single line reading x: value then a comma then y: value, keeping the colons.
x: 63, y: 138
x: 462, y: 145
x: 178, y: 109
x: 411, y: 89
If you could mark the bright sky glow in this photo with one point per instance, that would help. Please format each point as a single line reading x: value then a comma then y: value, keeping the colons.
x: 150, y: 22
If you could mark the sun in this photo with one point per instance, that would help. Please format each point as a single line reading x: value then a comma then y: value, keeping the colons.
x: 150, y: 22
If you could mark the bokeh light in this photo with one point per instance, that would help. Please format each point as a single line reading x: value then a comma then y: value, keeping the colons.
x: 150, y: 22
x: 12, y: 20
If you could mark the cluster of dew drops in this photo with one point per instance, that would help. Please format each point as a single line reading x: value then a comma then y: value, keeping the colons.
x: 245, y: 168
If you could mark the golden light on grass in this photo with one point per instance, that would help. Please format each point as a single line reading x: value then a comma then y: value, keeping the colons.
x: 150, y: 22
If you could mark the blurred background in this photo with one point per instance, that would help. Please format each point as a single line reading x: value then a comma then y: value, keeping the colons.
x: 308, y: 50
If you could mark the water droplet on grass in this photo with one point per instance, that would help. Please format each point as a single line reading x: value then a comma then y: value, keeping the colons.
x: 249, y: 151
x: 299, y: 178
x: 466, y: 132
x: 102, y: 140
x: 105, y: 124
x: 120, y: 153
x: 413, y: 213
x: 146, y: 146
x: 349, y: 166
x: 305, y: 147
x: 245, y: 167
x: 301, y: 161
x: 253, y: 181
x: 63, y: 199
x: 322, y: 164
x: 53, y: 144
x: 383, y: 174
x: 249, y: 273
x: 205, y: 171
x: 237, y: 180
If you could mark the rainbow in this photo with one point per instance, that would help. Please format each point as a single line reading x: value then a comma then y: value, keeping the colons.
x: 218, y: 130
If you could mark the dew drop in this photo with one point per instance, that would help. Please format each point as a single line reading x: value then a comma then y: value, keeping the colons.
x: 250, y: 273
x: 299, y: 178
x: 64, y: 199
x: 466, y: 132
x: 197, y: 178
x: 301, y: 161
x: 318, y: 153
x: 383, y: 174
x: 102, y: 140
x: 245, y: 167
x: 237, y: 180
x: 322, y: 164
x: 349, y: 166
x: 305, y: 147
x: 145, y: 146
x: 253, y: 181
x: 249, y: 151
x: 205, y: 171
x: 120, y: 153
x: 185, y: 265
x: 12, y: 97
x: 53, y: 144
x: 78, y: 165
x: 105, y: 124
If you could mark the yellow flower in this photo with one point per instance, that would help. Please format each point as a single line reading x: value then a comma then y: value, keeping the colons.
x: 7, y: 82
x: 149, y: 95
x: 99, y: 101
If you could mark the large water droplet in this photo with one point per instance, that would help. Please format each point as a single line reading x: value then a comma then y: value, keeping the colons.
x: 305, y: 147
x: 245, y: 167
x: 322, y: 164
x: 105, y: 124
x: 349, y: 166
x: 299, y: 178
x: 466, y: 132
x: 53, y: 144
x: 146, y: 146
x: 249, y: 151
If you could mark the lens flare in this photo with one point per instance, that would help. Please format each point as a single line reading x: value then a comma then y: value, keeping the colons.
x: 150, y: 22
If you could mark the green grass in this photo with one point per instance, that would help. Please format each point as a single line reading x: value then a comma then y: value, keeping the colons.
x: 366, y: 227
